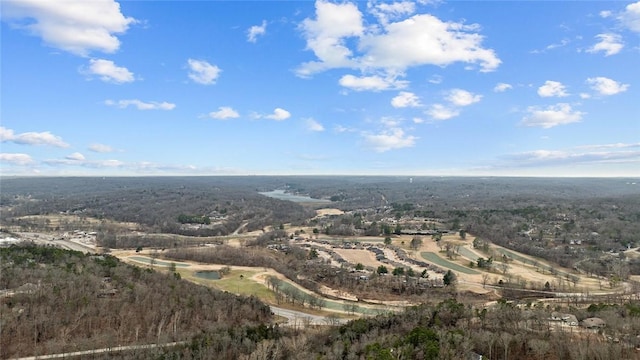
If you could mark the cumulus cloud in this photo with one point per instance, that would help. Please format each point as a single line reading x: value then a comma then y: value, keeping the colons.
x: 141, y: 105
x: 224, y: 112
x: 339, y: 39
x: 554, y: 115
x: 405, y: 99
x: 279, y: 115
x: 313, y: 125
x: 108, y: 71
x: 371, y: 83
x: 630, y: 17
x: 255, y: 31
x: 16, y: 159
x: 426, y: 40
x: 389, y: 139
x: 31, y: 138
x: 441, y: 112
x: 552, y: 89
x: 76, y: 156
x: 202, y: 72
x: 76, y: 26
x: 459, y: 97
x: 326, y: 36
x: 609, y: 43
x: 502, y: 87
x: 100, y: 148
x: 606, y: 86
x: 391, y: 11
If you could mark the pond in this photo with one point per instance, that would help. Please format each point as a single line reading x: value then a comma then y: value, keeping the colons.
x: 282, y: 195
x: 207, y: 275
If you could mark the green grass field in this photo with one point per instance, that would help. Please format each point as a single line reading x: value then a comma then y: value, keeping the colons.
x: 437, y: 260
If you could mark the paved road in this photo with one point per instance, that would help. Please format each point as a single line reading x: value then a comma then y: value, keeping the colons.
x: 101, y: 351
x: 299, y: 319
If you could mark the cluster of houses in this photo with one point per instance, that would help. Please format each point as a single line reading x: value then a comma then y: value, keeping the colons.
x: 593, y: 323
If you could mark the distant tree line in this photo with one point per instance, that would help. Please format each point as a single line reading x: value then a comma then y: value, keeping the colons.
x: 194, y: 219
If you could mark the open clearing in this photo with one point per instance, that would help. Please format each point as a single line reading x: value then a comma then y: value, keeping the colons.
x: 434, y: 258
x: 364, y: 257
x: 328, y: 212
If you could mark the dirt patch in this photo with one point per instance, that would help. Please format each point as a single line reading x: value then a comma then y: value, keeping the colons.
x: 327, y: 212
x: 364, y: 257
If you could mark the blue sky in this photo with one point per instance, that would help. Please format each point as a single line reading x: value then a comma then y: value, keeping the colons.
x: 470, y: 88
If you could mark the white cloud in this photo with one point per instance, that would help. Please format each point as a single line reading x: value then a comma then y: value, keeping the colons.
x: 605, y: 14
x: 100, y: 148
x: 76, y: 156
x: 108, y: 163
x: 571, y: 156
x: 552, y: 88
x: 610, y: 44
x: 390, y: 122
x: 585, y: 96
x: 562, y: 43
x: 255, y: 31
x: 390, y: 47
x: 76, y: 26
x: 141, y: 105
x: 279, y: 115
x: 325, y: 36
x: 390, y: 11
x: 606, y: 86
x: 390, y: 139
x: 16, y: 159
x: 459, y: 97
x: 610, y: 146
x: 426, y: 40
x: 441, y: 112
x: 343, y: 129
x: 224, y: 112
x: 405, y: 99
x: 502, y: 87
x: 31, y: 138
x: 108, y: 71
x: 202, y: 72
x: 313, y: 125
x: 371, y: 83
x: 77, y: 159
x: 559, y: 114
x: 417, y: 120
x: 630, y: 18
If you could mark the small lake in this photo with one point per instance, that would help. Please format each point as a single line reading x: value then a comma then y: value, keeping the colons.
x: 207, y: 275
x: 282, y: 195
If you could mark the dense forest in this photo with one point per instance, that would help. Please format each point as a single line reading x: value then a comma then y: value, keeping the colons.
x: 59, y: 300
x: 56, y: 300
x: 157, y: 204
